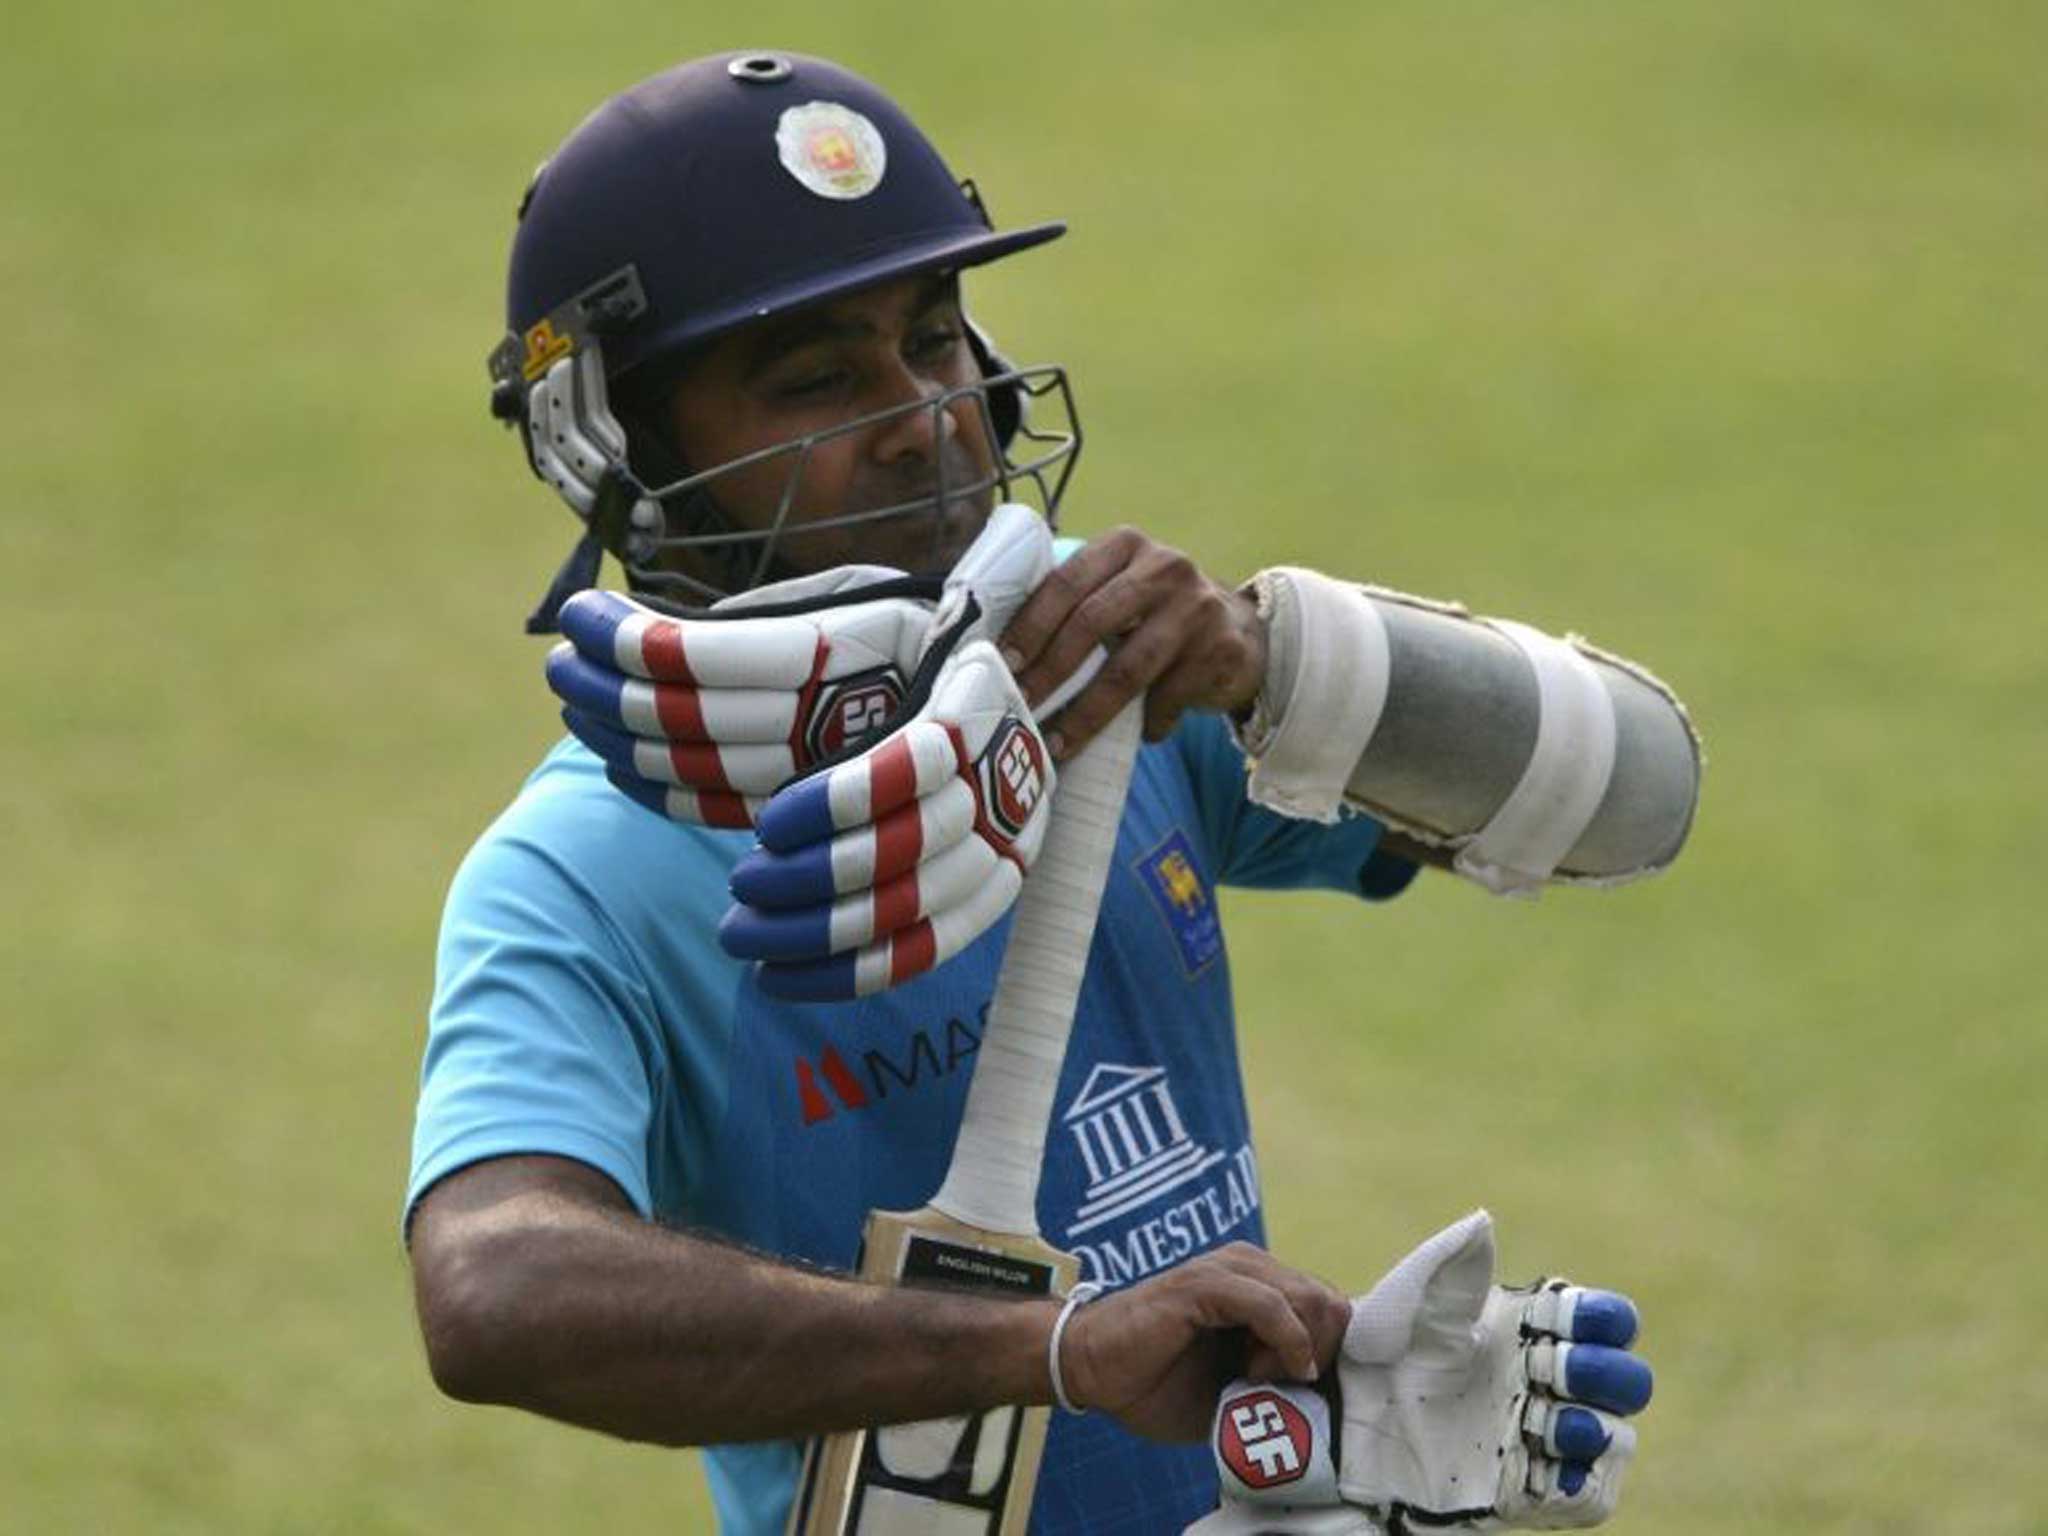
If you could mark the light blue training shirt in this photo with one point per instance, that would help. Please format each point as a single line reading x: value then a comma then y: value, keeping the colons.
x: 582, y: 1008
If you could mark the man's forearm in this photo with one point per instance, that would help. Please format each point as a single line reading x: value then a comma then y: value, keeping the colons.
x: 593, y: 1316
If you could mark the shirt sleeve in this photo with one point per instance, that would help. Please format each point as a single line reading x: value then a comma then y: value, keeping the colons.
x: 540, y: 1029
x: 1262, y: 849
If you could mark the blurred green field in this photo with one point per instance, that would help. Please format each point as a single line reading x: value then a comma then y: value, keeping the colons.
x: 1713, y: 330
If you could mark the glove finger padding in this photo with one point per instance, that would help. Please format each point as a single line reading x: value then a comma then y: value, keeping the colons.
x: 744, y: 768
x: 1577, y: 1457
x: 1460, y: 1397
x: 706, y: 807
x: 889, y: 863
x: 701, y: 715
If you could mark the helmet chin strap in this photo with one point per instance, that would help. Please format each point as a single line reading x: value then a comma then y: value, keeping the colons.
x: 578, y: 572
x: 633, y: 527
x: 694, y: 514
x: 734, y: 564
x: 610, y: 531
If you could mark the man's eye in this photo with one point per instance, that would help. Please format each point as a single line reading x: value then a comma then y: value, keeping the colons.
x: 936, y: 342
x: 810, y: 386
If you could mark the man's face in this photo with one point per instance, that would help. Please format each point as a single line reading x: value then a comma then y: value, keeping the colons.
x: 876, y: 350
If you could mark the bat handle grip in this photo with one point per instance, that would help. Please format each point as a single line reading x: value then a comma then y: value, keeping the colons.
x: 993, y: 1180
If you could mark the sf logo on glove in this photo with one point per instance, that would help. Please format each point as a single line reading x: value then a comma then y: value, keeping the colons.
x: 875, y: 868
x: 1264, y: 1440
x: 852, y: 709
x: 1273, y: 1454
x: 1013, y: 781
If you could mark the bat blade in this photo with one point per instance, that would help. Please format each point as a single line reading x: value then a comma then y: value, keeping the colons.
x: 974, y: 1475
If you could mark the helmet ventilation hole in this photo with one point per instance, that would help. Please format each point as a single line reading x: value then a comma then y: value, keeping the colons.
x: 760, y: 68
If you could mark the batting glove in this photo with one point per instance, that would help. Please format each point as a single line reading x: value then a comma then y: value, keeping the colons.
x: 1462, y: 1403
x: 701, y: 715
x: 877, y: 868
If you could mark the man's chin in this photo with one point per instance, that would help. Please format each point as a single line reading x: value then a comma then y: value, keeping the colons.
x: 942, y: 556
x: 923, y: 542
x: 926, y: 548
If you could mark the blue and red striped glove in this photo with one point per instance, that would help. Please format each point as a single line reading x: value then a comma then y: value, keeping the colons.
x: 876, y: 868
x: 909, y: 779
x: 883, y: 866
x: 702, y: 716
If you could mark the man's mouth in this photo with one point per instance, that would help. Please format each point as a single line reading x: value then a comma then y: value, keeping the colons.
x: 930, y: 538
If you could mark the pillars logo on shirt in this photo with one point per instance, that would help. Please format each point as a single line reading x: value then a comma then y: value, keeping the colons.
x: 1173, y: 878
x: 1139, y: 1156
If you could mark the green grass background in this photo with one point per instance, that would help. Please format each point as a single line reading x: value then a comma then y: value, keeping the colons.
x: 1714, y: 330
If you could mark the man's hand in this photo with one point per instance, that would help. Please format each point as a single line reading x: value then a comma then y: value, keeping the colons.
x: 1180, y: 639
x: 1154, y: 1356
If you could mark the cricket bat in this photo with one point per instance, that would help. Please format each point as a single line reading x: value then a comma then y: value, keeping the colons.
x: 974, y: 1475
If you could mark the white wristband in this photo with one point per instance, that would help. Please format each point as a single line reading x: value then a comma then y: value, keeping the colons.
x: 1078, y: 1297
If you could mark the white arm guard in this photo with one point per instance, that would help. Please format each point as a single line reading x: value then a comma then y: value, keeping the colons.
x: 1531, y: 759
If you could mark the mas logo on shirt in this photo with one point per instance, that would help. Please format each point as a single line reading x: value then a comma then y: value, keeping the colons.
x: 929, y: 1053
x: 1175, y: 883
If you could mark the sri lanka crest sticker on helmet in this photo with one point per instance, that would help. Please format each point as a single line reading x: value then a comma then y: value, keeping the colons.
x: 832, y: 150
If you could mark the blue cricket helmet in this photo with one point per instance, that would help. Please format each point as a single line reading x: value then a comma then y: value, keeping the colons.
x: 688, y: 177
x: 723, y: 191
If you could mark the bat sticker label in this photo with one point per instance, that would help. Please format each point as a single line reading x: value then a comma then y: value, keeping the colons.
x: 933, y: 1262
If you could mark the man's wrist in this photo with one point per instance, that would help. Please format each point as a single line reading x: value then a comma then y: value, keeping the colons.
x: 1019, y: 1351
x: 1255, y: 720
x: 1251, y: 622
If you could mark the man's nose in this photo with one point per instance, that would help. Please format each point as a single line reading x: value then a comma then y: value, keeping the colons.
x: 921, y: 426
